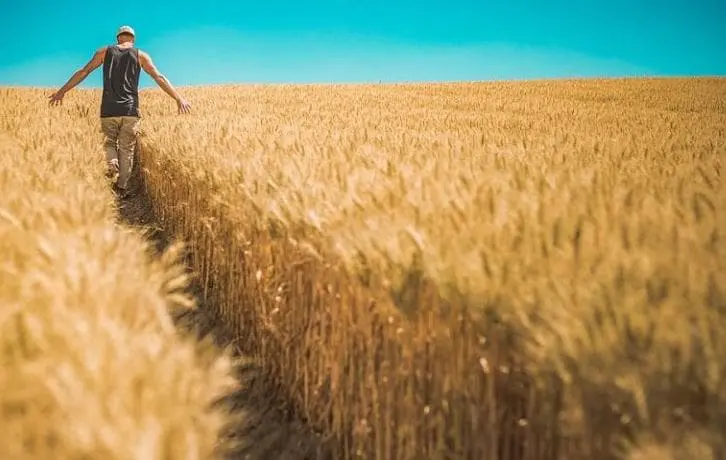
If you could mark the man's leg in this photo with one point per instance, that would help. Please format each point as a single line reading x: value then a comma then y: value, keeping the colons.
x: 110, y: 127
x: 126, y: 145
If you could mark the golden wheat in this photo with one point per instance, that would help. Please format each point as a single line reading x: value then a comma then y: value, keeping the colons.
x: 566, y: 230
x: 91, y: 365
x: 512, y: 270
x: 524, y: 270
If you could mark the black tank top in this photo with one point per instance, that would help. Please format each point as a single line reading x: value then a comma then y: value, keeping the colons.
x: 121, y: 70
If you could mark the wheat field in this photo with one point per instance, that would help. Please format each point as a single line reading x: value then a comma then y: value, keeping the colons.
x: 91, y: 365
x: 524, y: 270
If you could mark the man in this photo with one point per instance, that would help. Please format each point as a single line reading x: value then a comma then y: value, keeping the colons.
x: 120, y: 117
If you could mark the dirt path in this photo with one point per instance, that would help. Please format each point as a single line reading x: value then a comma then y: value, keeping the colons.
x: 267, y: 430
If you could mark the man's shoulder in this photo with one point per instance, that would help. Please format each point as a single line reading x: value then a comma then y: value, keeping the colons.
x: 102, y: 50
x: 144, y: 57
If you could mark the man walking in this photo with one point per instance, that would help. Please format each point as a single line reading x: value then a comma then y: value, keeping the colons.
x: 120, y: 117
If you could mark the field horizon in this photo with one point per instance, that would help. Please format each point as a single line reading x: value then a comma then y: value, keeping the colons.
x: 525, y: 80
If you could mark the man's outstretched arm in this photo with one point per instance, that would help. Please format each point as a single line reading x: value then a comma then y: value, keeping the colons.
x: 79, y: 76
x: 148, y: 65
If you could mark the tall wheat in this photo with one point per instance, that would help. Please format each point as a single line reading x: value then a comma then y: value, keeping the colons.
x: 513, y: 270
x: 467, y: 270
x: 91, y: 365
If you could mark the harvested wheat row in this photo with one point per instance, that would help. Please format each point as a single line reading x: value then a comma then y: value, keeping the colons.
x: 91, y: 365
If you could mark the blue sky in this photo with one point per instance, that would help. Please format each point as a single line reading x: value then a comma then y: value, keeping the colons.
x: 213, y: 41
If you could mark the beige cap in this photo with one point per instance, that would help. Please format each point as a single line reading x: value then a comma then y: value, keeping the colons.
x: 125, y: 30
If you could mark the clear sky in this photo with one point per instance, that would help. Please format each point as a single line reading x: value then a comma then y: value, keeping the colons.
x: 216, y: 41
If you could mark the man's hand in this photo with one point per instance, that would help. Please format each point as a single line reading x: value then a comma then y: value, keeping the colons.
x: 56, y: 98
x: 184, y: 106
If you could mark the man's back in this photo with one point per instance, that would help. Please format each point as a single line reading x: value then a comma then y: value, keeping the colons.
x: 121, y: 71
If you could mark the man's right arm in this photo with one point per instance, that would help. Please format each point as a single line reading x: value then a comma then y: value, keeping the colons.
x: 148, y: 65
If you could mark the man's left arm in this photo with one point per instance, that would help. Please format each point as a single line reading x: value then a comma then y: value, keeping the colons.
x: 78, y: 76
